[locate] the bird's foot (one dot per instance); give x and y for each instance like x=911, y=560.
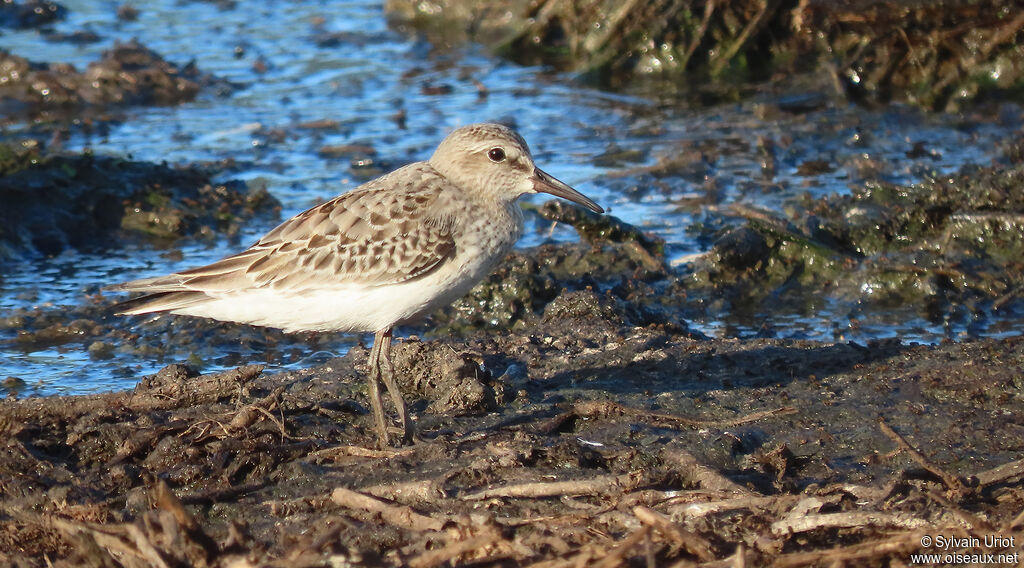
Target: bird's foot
x=395, y=436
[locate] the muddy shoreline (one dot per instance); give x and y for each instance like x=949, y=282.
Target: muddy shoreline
x=938, y=55
x=663, y=446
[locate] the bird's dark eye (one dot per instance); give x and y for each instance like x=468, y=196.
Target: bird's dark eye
x=496, y=155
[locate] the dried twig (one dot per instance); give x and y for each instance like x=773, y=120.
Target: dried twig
x=398, y=515
x=690, y=510
x=698, y=474
x=168, y=536
x=952, y=482
x=970, y=520
x=604, y=408
x=617, y=556
x=336, y=452
x=849, y=519
x=602, y=484
x=855, y=554
x=243, y=418
x=999, y=474
x=121, y=541
x=692, y=542
x=451, y=552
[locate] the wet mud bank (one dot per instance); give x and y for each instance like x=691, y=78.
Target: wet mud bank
x=939, y=55
x=54, y=201
x=584, y=437
x=947, y=250
x=127, y=74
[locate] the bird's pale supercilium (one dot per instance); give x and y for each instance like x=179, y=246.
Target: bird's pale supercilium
x=387, y=252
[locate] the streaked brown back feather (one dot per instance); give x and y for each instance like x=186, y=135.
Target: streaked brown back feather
x=346, y=239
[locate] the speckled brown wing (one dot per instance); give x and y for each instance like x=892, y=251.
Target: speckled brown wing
x=376, y=234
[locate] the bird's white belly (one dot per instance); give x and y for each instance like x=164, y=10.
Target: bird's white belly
x=349, y=308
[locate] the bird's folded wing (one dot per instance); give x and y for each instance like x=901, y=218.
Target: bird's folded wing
x=365, y=236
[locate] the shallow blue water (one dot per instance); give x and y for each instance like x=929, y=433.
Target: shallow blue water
x=373, y=73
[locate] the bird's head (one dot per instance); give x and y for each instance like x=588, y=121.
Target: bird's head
x=495, y=159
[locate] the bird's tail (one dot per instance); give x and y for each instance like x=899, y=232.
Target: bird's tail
x=161, y=302
x=163, y=294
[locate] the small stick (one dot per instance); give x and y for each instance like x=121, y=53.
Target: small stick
x=952, y=482
x=692, y=542
x=1000, y=473
x=753, y=503
x=453, y=550
x=699, y=474
x=606, y=408
x=857, y=553
x=617, y=555
x=360, y=452
x=399, y=516
x=973, y=522
x=558, y=488
x=850, y=519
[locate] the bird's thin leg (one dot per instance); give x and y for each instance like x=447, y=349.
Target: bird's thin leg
x=375, y=375
x=388, y=374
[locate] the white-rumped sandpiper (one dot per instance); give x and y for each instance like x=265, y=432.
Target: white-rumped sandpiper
x=387, y=252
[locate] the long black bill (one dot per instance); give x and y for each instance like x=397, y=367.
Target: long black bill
x=542, y=182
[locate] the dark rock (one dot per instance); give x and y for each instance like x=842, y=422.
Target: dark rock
x=30, y=14
x=53, y=202
x=741, y=248
x=128, y=74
